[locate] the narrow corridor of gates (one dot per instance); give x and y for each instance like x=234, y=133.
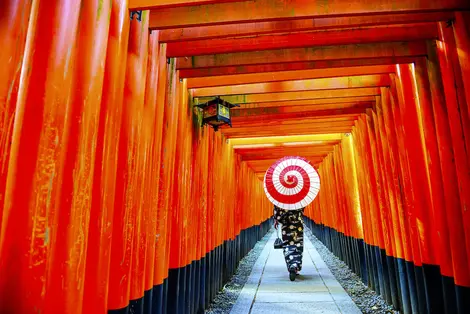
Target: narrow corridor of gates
x=113, y=197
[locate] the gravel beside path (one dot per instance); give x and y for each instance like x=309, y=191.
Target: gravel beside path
x=364, y=297
x=226, y=298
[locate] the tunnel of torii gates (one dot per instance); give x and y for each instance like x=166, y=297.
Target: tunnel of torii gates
x=114, y=198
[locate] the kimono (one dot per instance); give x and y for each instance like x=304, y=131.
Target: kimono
x=292, y=236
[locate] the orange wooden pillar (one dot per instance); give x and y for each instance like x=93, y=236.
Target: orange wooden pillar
x=457, y=106
x=35, y=166
x=170, y=128
x=403, y=199
x=454, y=226
x=413, y=125
x=383, y=213
x=142, y=123
x=102, y=207
x=69, y=232
x=454, y=159
x=14, y=21
x=413, y=268
x=369, y=276
x=441, y=233
x=393, y=203
x=127, y=196
x=161, y=231
x=377, y=227
x=155, y=110
x=177, y=273
x=200, y=201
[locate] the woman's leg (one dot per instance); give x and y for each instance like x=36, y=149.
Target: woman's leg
x=292, y=235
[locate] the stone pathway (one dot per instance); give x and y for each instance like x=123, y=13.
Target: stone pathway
x=269, y=290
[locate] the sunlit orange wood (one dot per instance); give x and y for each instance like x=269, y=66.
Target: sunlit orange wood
x=259, y=10
x=360, y=51
x=298, y=25
x=300, y=85
x=286, y=96
x=435, y=173
x=305, y=39
x=287, y=76
x=292, y=66
x=156, y=4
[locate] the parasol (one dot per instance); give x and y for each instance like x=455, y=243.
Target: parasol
x=291, y=183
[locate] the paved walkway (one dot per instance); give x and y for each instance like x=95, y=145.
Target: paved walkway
x=269, y=290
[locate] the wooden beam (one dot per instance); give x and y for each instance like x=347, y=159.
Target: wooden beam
x=243, y=149
x=294, y=123
x=261, y=166
x=411, y=32
x=287, y=139
x=268, y=10
x=281, y=148
x=135, y=5
x=248, y=112
x=253, y=78
x=269, y=160
x=299, y=25
x=343, y=102
x=288, y=113
x=285, y=131
x=361, y=51
x=287, y=96
x=292, y=66
x=314, y=155
x=379, y=80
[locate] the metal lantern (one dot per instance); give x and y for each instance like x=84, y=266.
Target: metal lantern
x=216, y=112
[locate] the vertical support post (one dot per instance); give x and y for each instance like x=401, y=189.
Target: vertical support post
x=450, y=151
x=36, y=160
x=14, y=21
x=161, y=232
x=104, y=183
x=142, y=116
x=127, y=197
x=69, y=233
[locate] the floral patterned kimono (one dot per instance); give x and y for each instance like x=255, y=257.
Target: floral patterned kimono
x=292, y=236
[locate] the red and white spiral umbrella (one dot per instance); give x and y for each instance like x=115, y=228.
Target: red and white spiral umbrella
x=291, y=183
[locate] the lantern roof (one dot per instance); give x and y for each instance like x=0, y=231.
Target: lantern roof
x=215, y=101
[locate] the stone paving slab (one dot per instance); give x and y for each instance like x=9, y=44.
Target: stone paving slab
x=315, y=307
x=269, y=290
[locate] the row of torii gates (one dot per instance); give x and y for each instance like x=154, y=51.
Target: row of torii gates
x=114, y=198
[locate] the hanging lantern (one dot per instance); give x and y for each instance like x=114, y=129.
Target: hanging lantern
x=216, y=112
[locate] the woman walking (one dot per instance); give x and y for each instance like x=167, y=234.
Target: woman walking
x=292, y=237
